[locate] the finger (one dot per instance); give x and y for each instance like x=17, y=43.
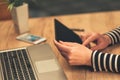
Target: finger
x=84, y=36
x=64, y=55
x=88, y=46
x=90, y=39
x=98, y=47
x=62, y=47
x=67, y=43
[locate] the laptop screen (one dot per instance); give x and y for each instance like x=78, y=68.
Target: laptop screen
x=65, y=34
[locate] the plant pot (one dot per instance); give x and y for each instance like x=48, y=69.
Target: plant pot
x=20, y=18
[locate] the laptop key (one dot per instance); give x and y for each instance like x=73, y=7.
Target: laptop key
x=13, y=66
x=28, y=65
x=23, y=65
x=17, y=63
x=5, y=67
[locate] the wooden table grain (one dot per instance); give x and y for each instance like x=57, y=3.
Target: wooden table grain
x=100, y=22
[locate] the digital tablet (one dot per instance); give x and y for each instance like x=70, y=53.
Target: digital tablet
x=63, y=33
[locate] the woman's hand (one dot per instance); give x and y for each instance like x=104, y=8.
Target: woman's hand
x=74, y=53
x=101, y=41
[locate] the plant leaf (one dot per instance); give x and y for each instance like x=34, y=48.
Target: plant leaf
x=11, y=6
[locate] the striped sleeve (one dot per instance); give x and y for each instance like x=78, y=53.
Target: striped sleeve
x=114, y=35
x=105, y=62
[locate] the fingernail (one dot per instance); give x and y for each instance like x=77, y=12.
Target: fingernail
x=60, y=41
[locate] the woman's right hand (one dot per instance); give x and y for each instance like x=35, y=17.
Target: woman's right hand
x=101, y=41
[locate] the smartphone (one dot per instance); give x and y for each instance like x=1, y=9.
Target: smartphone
x=34, y=39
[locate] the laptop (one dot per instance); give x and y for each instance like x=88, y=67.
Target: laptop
x=63, y=33
x=36, y=62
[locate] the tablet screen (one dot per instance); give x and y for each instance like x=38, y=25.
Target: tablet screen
x=65, y=34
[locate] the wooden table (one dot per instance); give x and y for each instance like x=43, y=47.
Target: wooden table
x=92, y=22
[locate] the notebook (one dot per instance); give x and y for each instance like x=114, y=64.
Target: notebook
x=36, y=62
x=63, y=33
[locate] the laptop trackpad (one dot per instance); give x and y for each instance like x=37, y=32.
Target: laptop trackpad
x=47, y=66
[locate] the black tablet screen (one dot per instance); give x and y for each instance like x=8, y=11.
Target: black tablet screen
x=65, y=34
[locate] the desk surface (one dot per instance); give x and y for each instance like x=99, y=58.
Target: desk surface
x=92, y=22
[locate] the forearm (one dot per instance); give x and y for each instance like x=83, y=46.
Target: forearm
x=105, y=62
x=114, y=35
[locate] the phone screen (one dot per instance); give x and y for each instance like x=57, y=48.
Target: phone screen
x=31, y=38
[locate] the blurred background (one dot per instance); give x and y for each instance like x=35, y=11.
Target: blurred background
x=43, y=8
x=40, y=8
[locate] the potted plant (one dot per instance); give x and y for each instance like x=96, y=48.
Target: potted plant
x=20, y=16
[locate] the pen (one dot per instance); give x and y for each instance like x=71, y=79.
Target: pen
x=76, y=29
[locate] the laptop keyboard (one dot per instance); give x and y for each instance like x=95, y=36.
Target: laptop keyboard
x=15, y=65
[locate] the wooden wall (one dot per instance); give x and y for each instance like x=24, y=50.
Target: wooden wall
x=4, y=12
